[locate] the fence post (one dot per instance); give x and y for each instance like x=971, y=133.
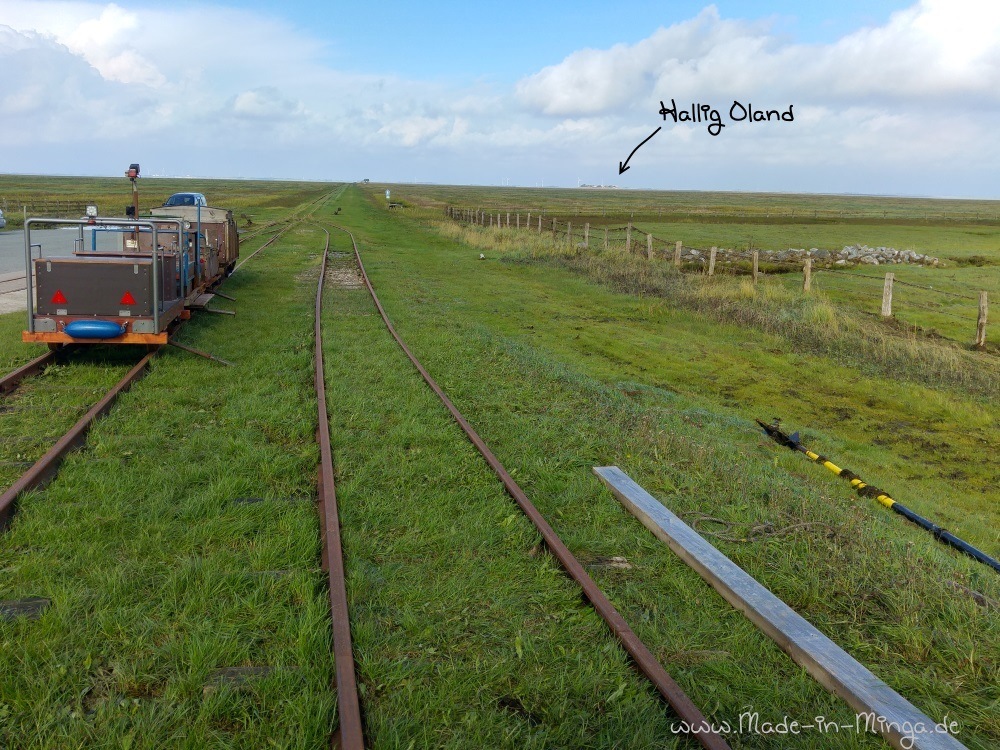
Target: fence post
x=508, y=219
x=491, y=220
x=981, y=322
x=518, y=221
x=677, y=253
x=628, y=238
x=887, y=295
x=807, y=275
x=756, y=265
x=586, y=235
x=711, y=260
x=539, y=225
x=499, y=220
x=527, y=223
x=649, y=247
x=553, y=231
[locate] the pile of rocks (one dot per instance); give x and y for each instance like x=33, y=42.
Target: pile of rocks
x=851, y=255
x=880, y=255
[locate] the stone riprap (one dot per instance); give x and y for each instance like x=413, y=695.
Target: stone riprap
x=851, y=255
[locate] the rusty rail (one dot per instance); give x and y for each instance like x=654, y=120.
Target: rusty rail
x=640, y=653
x=350, y=734
x=12, y=379
x=45, y=468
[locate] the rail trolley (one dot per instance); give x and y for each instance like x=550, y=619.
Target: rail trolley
x=132, y=278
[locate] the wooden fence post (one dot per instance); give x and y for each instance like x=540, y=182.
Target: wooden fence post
x=628, y=238
x=508, y=219
x=756, y=265
x=678, y=246
x=539, y=225
x=518, y=221
x=499, y=220
x=887, y=295
x=807, y=275
x=981, y=322
x=527, y=224
x=711, y=260
x=649, y=247
x=586, y=235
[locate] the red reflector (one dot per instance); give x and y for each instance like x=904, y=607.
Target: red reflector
x=58, y=298
x=127, y=299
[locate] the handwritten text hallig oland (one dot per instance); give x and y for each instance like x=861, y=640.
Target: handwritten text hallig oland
x=739, y=112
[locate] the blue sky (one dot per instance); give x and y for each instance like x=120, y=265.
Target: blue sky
x=890, y=98
x=504, y=41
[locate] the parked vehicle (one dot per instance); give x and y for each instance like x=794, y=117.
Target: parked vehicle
x=3, y=221
x=185, y=199
x=167, y=264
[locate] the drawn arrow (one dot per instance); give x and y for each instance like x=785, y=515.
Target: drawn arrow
x=623, y=166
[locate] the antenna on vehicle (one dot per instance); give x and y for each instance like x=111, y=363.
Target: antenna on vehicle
x=132, y=211
x=133, y=175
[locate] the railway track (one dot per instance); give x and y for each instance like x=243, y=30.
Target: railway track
x=42, y=470
x=350, y=730
x=45, y=467
x=642, y=657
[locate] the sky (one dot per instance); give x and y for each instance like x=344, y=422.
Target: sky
x=898, y=98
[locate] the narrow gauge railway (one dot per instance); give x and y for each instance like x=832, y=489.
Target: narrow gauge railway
x=46, y=466
x=351, y=730
x=38, y=475
x=164, y=266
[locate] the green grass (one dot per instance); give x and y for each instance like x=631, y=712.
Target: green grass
x=944, y=241
x=560, y=374
x=44, y=407
x=738, y=207
x=466, y=632
x=964, y=235
x=262, y=201
x=157, y=574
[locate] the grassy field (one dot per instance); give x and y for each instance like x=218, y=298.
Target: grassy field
x=765, y=208
x=182, y=542
x=161, y=572
x=670, y=395
x=260, y=201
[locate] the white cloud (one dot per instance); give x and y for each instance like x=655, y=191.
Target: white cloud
x=265, y=103
x=941, y=49
x=921, y=89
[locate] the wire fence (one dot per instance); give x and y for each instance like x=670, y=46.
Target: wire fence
x=789, y=214
x=43, y=207
x=866, y=288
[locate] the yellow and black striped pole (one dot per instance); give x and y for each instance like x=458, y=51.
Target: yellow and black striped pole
x=866, y=490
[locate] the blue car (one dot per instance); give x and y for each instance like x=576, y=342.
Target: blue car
x=185, y=199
